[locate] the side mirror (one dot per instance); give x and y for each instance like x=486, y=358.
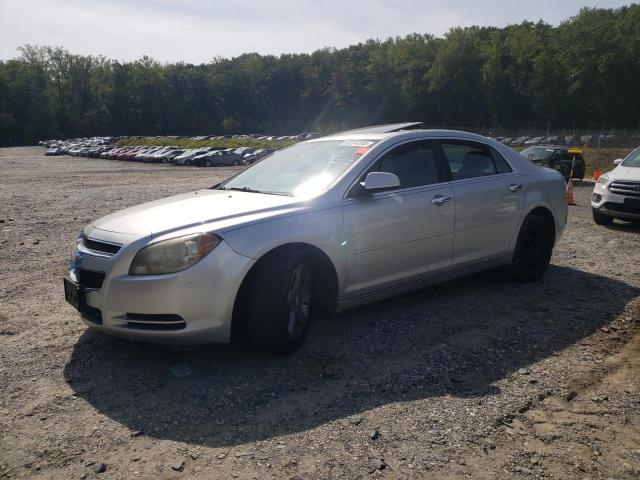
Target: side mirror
x=379, y=180
x=618, y=161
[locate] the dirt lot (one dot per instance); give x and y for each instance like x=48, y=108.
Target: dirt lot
x=478, y=378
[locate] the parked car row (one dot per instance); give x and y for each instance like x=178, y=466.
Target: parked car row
x=593, y=140
x=201, y=157
x=256, y=136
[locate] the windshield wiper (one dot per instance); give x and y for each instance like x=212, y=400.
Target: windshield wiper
x=243, y=189
x=252, y=190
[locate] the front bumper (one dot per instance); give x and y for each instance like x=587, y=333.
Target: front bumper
x=194, y=306
x=613, y=205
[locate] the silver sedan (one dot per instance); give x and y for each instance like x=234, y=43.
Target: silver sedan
x=328, y=223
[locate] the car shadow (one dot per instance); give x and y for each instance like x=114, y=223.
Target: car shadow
x=457, y=339
x=622, y=226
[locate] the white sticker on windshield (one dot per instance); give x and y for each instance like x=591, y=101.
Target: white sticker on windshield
x=356, y=143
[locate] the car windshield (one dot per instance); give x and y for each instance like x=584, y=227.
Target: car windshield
x=538, y=153
x=633, y=160
x=302, y=170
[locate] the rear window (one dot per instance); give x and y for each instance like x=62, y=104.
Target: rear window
x=569, y=155
x=538, y=153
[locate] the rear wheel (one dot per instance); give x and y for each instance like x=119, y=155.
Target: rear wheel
x=280, y=305
x=236, y=163
x=601, y=219
x=533, y=249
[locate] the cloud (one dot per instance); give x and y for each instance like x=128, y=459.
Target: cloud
x=198, y=30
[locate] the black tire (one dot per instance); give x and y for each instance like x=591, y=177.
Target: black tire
x=601, y=219
x=208, y=163
x=236, y=163
x=280, y=303
x=188, y=162
x=533, y=249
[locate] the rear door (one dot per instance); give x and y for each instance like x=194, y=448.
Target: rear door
x=401, y=234
x=488, y=201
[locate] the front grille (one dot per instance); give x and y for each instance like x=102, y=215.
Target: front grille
x=101, y=247
x=621, y=207
x=89, y=278
x=625, y=188
x=155, y=321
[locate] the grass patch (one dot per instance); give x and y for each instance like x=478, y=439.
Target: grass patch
x=602, y=158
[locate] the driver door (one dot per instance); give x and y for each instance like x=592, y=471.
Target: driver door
x=402, y=234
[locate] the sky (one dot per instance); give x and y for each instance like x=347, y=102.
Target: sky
x=196, y=31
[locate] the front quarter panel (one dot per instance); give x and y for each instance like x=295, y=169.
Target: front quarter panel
x=320, y=228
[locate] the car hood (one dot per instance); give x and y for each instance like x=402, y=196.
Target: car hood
x=217, y=209
x=625, y=173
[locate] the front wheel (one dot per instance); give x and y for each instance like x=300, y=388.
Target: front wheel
x=533, y=249
x=280, y=305
x=208, y=163
x=236, y=163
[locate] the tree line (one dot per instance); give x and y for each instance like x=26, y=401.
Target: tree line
x=583, y=73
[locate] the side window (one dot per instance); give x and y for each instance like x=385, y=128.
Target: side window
x=415, y=165
x=469, y=160
x=501, y=163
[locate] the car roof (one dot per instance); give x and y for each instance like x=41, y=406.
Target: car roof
x=409, y=134
x=387, y=128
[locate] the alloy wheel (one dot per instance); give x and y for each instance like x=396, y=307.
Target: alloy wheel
x=299, y=300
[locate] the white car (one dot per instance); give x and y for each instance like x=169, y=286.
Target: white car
x=617, y=193
x=186, y=158
x=333, y=222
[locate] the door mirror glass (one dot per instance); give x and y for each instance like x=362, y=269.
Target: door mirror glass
x=617, y=161
x=379, y=180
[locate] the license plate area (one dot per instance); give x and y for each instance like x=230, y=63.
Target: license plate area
x=75, y=295
x=632, y=203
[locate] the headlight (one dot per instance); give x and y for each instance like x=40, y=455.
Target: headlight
x=173, y=255
x=79, y=242
x=604, y=179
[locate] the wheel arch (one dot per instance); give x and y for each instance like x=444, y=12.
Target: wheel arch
x=545, y=212
x=535, y=209
x=325, y=281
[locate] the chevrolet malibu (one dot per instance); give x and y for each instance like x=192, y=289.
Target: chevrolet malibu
x=331, y=223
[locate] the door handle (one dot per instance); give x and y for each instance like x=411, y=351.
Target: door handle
x=440, y=200
x=514, y=188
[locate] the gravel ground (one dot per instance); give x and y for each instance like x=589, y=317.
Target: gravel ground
x=477, y=378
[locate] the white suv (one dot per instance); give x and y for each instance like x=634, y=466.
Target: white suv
x=617, y=193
